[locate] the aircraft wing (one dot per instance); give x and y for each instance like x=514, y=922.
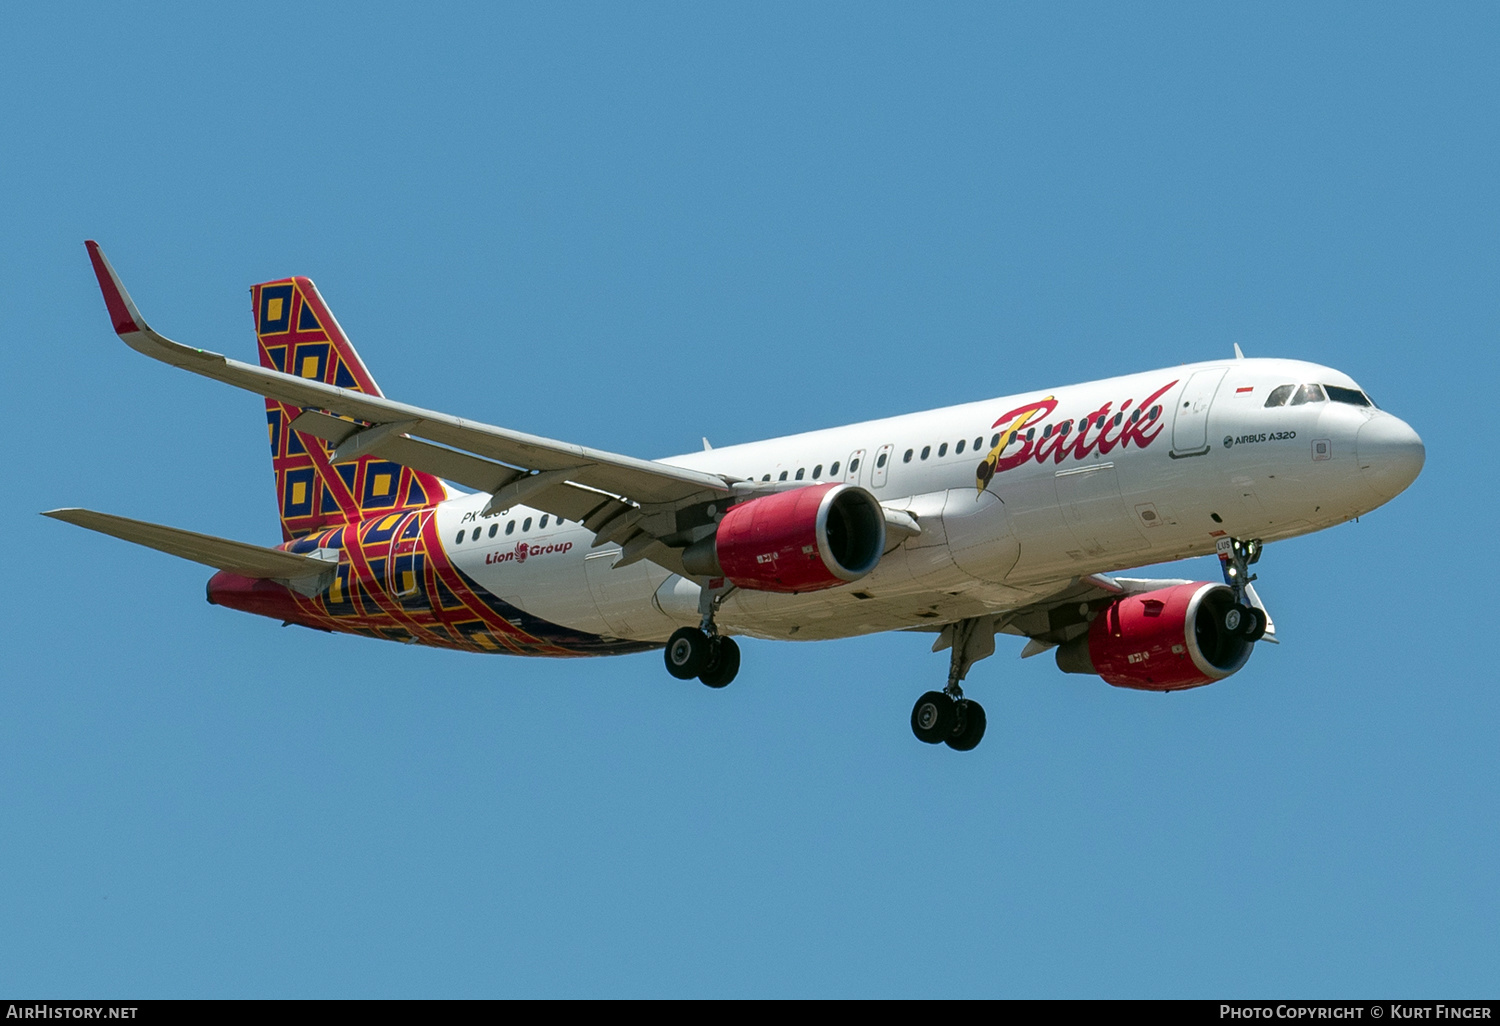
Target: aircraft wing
x=220, y=553
x=623, y=499
x=1066, y=613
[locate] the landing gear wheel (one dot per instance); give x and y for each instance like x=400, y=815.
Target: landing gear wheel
x=1234, y=619
x=933, y=718
x=969, y=730
x=723, y=663
x=687, y=653
x=1254, y=627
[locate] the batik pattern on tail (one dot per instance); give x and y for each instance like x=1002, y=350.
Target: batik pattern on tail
x=299, y=335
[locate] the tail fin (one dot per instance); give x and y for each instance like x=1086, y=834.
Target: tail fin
x=298, y=335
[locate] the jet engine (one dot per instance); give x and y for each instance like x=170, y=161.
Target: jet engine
x=1162, y=640
x=806, y=539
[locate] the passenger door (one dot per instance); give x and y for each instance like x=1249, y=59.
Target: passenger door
x=882, y=466
x=1190, y=424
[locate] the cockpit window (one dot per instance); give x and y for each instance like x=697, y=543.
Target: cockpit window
x=1352, y=396
x=1308, y=394
x=1279, y=395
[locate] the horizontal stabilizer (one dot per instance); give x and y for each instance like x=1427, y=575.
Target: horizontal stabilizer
x=220, y=553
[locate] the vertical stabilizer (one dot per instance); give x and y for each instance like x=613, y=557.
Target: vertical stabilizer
x=298, y=335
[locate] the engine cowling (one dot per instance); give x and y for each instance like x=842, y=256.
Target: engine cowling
x=1161, y=640
x=806, y=539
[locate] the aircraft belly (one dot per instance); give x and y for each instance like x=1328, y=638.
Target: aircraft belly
x=791, y=620
x=893, y=597
x=623, y=598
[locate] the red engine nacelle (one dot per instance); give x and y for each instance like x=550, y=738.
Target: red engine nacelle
x=806, y=539
x=1160, y=641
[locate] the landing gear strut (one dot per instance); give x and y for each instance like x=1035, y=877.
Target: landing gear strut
x=947, y=717
x=1235, y=559
x=702, y=651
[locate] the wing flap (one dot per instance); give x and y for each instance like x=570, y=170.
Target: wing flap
x=449, y=464
x=220, y=553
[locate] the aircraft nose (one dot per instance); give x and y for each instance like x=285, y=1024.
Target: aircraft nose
x=1390, y=455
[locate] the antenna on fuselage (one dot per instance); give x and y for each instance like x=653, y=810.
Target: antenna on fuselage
x=1237, y=354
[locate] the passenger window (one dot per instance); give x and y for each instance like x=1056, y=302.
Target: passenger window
x=526, y=525
x=942, y=450
x=1307, y=394
x=1135, y=415
x=880, y=460
x=1119, y=419
x=1352, y=396
x=800, y=472
x=767, y=477
x=543, y=525
x=907, y=457
x=817, y=471
x=494, y=529
x=833, y=471
x=1030, y=434
x=854, y=466
x=460, y=539
x=782, y=477
x=1065, y=427
x=926, y=451
x=1279, y=395
x=959, y=448
x=510, y=528
x=978, y=442
x=1047, y=431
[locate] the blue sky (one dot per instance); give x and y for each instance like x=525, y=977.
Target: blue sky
x=630, y=226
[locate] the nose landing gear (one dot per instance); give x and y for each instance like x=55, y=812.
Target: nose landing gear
x=1235, y=559
x=947, y=717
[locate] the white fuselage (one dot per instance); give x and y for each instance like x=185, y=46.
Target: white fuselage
x=1217, y=462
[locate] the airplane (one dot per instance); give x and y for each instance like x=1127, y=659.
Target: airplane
x=416, y=526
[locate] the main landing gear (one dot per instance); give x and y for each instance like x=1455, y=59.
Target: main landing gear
x=946, y=716
x=702, y=651
x=1243, y=618
x=693, y=652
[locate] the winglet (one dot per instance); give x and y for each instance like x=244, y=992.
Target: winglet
x=133, y=329
x=127, y=320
